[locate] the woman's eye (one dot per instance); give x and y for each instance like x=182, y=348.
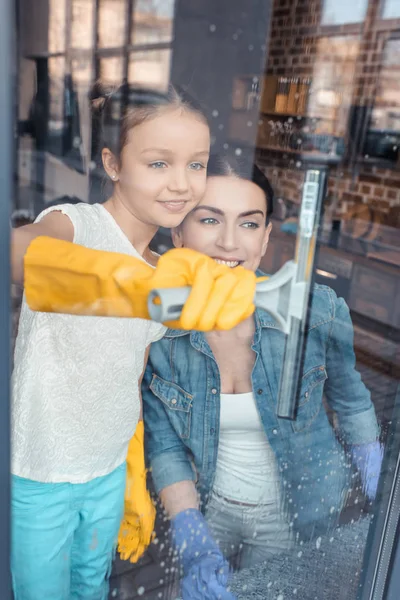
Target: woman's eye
x=196, y=166
x=250, y=225
x=209, y=221
x=159, y=164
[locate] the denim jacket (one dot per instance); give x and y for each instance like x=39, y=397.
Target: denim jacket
x=181, y=407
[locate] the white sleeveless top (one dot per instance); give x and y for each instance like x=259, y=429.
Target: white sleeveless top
x=246, y=469
x=76, y=402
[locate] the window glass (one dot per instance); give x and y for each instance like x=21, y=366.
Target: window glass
x=150, y=68
x=341, y=12
x=391, y=9
x=152, y=21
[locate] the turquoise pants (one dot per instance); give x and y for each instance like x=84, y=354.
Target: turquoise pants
x=64, y=537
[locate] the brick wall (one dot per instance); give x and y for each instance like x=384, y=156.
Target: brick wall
x=295, y=33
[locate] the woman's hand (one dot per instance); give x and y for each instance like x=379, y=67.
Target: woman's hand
x=205, y=570
x=367, y=458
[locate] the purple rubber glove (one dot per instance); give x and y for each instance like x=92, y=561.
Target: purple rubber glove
x=205, y=570
x=367, y=458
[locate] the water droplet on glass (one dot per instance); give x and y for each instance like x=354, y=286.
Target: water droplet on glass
x=249, y=123
x=213, y=28
x=298, y=164
x=114, y=593
x=300, y=554
x=141, y=591
x=269, y=584
x=251, y=47
x=280, y=597
x=226, y=146
x=215, y=113
x=318, y=543
x=238, y=151
x=235, y=36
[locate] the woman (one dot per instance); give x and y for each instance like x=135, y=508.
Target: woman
x=214, y=444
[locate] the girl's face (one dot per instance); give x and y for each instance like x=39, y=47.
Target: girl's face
x=228, y=224
x=161, y=174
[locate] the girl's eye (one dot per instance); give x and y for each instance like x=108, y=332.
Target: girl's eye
x=250, y=225
x=196, y=166
x=209, y=221
x=159, y=164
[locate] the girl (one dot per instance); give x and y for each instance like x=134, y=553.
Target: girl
x=209, y=405
x=76, y=402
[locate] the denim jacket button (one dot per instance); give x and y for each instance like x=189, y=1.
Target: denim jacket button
x=306, y=394
x=214, y=391
x=212, y=430
x=173, y=401
x=274, y=431
x=259, y=392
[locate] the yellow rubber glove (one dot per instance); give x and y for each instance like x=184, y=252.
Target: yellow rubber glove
x=136, y=531
x=67, y=278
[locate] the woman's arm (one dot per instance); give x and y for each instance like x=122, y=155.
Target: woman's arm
x=345, y=391
x=178, y=497
x=55, y=224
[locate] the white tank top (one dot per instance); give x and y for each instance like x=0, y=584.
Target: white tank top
x=246, y=467
x=76, y=400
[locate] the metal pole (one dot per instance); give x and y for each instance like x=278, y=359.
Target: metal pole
x=7, y=120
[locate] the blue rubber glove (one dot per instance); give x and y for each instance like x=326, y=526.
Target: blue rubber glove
x=205, y=570
x=367, y=458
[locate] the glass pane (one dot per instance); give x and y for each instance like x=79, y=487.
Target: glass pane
x=391, y=9
x=56, y=94
x=111, y=70
x=152, y=21
x=150, y=68
x=383, y=135
x=57, y=25
x=342, y=12
x=82, y=23
x=112, y=22
x=296, y=94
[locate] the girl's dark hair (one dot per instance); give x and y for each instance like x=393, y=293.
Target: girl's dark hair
x=116, y=110
x=220, y=166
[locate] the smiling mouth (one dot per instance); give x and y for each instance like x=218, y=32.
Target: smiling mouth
x=230, y=263
x=174, y=205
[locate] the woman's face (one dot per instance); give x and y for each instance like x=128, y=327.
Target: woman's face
x=228, y=224
x=161, y=174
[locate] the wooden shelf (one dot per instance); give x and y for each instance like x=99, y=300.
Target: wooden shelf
x=307, y=154
x=298, y=116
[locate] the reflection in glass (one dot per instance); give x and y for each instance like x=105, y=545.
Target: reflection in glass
x=383, y=136
x=386, y=113
x=56, y=94
x=112, y=16
x=332, y=83
x=150, y=68
x=82, y=23
x=111, y=70
x=152, y=21
x=391, y=9
x=57, y=22
x=336, y=12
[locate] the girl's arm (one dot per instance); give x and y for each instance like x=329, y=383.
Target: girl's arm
x=55, y=225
